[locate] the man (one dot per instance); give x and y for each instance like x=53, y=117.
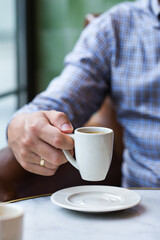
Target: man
x=119, y=53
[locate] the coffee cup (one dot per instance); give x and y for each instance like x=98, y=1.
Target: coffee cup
x=11, y=222
x=93, y=152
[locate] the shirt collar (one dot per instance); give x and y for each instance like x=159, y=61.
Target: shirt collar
x=155, y=7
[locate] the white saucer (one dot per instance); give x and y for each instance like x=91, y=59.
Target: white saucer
x=96, y=198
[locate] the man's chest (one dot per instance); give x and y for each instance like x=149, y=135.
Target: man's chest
x=136, y=70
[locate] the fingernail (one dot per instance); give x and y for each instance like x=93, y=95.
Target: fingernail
x=66, y=127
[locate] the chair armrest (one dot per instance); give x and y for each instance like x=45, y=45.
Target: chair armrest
x=7, y=191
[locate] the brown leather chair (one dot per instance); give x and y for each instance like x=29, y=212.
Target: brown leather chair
x=15, y=182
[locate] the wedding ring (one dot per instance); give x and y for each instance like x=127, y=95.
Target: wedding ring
x=42, y=162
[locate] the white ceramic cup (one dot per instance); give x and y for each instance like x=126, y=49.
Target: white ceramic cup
x=93, y=152
x=11, y=222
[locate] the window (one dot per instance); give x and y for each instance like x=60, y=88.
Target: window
x=8, y=82
x=13, y=88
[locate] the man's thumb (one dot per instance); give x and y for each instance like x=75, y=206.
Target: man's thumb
x=66, y=127
x=60, y=120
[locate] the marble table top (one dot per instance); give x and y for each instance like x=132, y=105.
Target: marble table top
x=44, y=220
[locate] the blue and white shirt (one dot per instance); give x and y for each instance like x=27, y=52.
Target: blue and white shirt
x=117, y=54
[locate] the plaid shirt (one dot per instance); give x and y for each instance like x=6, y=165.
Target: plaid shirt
x=119, y=54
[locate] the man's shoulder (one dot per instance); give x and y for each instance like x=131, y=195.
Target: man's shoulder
x=127, y=9
x=124, y=12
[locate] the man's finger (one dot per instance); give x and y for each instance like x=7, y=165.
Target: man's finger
x=54, y=137
x=59, y=120
x=37, y=169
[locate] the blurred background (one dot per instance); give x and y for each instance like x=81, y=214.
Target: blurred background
x=35, y=36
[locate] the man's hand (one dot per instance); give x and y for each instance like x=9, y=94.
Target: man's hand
x=40, y=134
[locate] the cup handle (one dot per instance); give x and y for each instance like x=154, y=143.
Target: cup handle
x=69, y=156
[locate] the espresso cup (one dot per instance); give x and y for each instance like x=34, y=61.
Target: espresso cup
x=11, y=222
x=93, y=152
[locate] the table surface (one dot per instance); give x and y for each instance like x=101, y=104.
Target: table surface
x=44, y=220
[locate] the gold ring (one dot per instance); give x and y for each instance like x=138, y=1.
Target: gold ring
x=42, y=162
